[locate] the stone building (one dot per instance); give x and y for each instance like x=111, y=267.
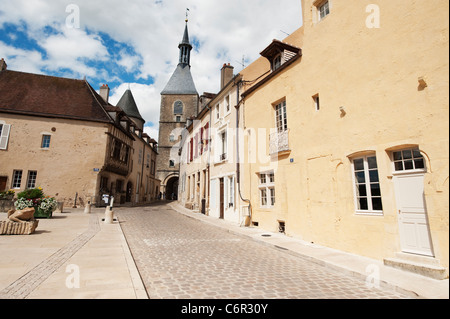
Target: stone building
x=347, y=133
x=179, y=103
x=63, y=136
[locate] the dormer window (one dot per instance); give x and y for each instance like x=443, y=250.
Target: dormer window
x=279, y=53
x=277, y=62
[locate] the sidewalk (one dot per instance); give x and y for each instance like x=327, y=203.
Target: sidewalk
x=45, y=265
x=359, y=267
x=71, y=248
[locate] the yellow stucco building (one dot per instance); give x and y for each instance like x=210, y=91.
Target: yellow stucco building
x=347, y=134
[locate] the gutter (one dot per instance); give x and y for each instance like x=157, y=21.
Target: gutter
x=238, y=168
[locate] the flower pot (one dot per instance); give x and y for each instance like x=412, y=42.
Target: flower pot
x=40, y=213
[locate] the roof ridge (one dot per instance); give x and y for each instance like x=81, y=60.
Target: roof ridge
x=45, y=75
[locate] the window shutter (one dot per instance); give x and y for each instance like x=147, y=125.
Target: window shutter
x=192, y=150
x=6, y=128
x=207, y=134
x=201, y=140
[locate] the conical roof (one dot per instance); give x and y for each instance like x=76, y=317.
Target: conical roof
x=181, y=82
x=128, y=105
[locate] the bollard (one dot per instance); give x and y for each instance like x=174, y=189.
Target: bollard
x=87, y=208
x=109, y=216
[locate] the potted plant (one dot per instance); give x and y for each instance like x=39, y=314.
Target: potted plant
x=44, y=206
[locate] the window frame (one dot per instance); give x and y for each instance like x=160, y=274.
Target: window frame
x=16, y=177
x=231, y=191
x=367, y=186
x=217, y=113
x=319, y=7
x=45, y=145
x=275, y=64
x=266, y=186
x=31, y=179
x=281, y=122
x=413, y=159
x=227, y=103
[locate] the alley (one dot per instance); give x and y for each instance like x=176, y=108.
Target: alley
x=183, y=258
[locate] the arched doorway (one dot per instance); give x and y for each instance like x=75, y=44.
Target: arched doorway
x=172, y=188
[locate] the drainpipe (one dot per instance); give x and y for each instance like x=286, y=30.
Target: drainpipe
x=209, y=155
x=238, y=169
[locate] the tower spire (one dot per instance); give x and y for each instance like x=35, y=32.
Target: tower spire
x=185, y=46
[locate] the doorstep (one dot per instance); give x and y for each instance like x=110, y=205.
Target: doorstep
x=422, y=265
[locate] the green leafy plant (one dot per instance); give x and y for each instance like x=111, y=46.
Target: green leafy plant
x=32, y=193
x=34, y=197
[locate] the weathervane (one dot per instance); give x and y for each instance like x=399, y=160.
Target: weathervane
x=187, y=15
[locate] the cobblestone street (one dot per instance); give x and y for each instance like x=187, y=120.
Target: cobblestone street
x=183, y=258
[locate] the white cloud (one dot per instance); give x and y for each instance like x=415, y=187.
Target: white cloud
x=144, y=96
x=72, y=48
x=225, y=30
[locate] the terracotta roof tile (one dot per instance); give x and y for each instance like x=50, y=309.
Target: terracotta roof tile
x=42, y=95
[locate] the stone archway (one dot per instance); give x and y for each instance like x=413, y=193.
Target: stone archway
x=172, y=188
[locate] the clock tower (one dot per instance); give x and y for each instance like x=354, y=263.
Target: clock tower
x=179, y=102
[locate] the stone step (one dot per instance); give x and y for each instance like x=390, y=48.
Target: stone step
x=422, y=265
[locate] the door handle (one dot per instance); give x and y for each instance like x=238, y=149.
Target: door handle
x=399, y=211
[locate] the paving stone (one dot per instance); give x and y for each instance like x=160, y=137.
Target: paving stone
x=181, y=257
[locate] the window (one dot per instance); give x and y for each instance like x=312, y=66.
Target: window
x=409, y=159
x=172, y=138
x=281, y=117
x=223, y=145
x=17, y=179
x=231, y=191
x=31, y=181
x=46, y=141
x=267, y=189
x=367, y=185
x=4, y=136
x=171, y=163
x=217, y=112
x=277, y=62
x=178, y=119
x=323, y=9
x=227, y=104
x=178, y=108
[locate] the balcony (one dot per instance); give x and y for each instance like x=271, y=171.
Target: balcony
x=279, y=142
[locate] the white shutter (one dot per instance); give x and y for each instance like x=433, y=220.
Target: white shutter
x=213, y=195
x=225, y=192
x=6, y=128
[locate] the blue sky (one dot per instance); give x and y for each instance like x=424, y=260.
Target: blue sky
x=135, y=43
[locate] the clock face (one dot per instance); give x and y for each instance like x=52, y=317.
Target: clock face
x=178, y=107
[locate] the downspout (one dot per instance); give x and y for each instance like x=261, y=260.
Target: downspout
x=209, y=157
x=238, y=169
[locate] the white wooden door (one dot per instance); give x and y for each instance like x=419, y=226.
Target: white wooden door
x=413, y=222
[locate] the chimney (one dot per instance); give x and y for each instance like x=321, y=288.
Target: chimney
x=3, y=65
x=226, y=75
x=104, y=92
